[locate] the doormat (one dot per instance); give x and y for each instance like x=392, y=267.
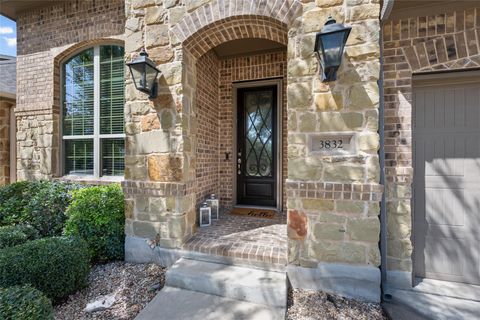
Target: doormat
x=254, y=212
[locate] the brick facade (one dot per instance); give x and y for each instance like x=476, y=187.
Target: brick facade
x=41, y=49
x=438, y=42
x=246, y=68
x=209, y=127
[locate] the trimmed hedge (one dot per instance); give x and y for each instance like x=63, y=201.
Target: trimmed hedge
x=96, y=215
x=14, y=235
x=41, y=204
x=24, y=302
x=56, y=266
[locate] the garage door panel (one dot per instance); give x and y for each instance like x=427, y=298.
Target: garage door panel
x=445, y=206
x=447, y=183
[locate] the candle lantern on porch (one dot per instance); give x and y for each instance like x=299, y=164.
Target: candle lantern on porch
x=205, y=215
x=214, y=204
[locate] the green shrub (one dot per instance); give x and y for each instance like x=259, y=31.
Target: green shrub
x=56, y=266
x=14, y=235
x=41, y=204
x=25, y=303
x=96, y=214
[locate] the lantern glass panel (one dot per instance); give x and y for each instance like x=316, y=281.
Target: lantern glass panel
x=205, y=216
x=332, y=47
x=214, y=205
x=151, y=75
x=138, y=74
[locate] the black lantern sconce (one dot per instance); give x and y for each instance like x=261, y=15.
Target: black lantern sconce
x=329, y=46
x=144, y=73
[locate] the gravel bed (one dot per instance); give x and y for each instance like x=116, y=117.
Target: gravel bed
x=314, y=305
x=134, y=286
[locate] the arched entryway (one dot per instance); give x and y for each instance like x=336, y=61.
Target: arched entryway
x=227, y=63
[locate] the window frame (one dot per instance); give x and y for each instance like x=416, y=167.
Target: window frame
x=96, y=136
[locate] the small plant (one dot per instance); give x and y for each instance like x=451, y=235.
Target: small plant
x=56, y=266
x=41, y=204
x=14, y=235
x=96, y=215
x=24, y=302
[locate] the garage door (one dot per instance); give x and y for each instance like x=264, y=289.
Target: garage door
x=447, y=181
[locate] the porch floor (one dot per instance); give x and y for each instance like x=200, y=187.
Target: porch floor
x=242, y=237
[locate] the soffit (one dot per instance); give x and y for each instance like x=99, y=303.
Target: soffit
x=246, y=46
x=12, y=8
x=403, y=9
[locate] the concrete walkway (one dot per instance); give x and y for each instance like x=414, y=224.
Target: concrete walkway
x=179, y=304
x=205, y=290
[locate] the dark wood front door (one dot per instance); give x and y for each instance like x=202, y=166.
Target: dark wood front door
x=256, y=146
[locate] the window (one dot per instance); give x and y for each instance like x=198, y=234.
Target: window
x=92, y=101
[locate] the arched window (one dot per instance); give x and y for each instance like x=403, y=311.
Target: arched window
x=93, y=100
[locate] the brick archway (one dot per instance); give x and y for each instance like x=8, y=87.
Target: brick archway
x=233, y=28
x=219, y=12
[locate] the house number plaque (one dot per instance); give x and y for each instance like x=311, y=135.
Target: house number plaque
x=332, y=144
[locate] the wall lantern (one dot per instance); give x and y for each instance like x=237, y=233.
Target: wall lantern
x=329, y=46
x=144, y=73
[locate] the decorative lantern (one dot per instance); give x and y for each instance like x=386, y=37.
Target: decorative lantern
x=205, y=215
x=144, y=73
x=214, y=204
x=329, y=46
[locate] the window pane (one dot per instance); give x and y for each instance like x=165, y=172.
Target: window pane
x=112, y=87
x=79, y=156
x=113, y=157
x=78, y=94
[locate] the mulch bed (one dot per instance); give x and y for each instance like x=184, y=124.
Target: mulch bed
x=134, y=284
x=314, y=305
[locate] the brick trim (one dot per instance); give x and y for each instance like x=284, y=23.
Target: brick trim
x=233, y=28
x=158, y=189
x=334, y=191
x=70, y=51
x=283, y=11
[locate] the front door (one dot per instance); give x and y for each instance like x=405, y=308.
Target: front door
x=256, y=146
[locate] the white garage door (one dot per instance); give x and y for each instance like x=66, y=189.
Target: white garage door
x=447, y=181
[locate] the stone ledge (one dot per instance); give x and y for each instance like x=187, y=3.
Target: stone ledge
x=358, y=282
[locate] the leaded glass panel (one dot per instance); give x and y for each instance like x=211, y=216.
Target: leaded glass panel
x=259, y=133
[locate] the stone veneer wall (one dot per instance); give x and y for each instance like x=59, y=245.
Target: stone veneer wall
x=444, y=41
x=46, y=36
x=333, y=202
x=5, y=141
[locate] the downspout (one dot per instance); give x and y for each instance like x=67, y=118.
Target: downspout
x=384, y=14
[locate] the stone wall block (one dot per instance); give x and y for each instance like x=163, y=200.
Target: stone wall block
x=156, y=35
x=297, y=225
x=317, y=204
x=304, y=169
x=299, y=95
x=165, y=168
x=336, y=121
x=314, y=20
x=328, y=231
x=364, y=229
x=344, y=172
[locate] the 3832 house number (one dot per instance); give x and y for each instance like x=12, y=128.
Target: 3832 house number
x=330, y=144
x=339, y=144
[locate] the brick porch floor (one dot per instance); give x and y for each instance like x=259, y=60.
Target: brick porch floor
x=243, y=237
